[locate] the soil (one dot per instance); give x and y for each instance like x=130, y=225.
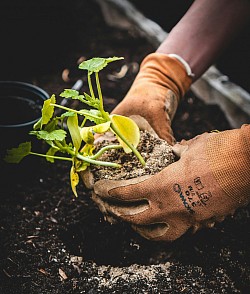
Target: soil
x=156, y=153
x=52, y=242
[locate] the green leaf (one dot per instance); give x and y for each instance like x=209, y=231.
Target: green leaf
x=72, y=123
x=128, y=129
x=48, y=110
x=15, y=155
x=97, y=63
x=86, y=98
x=38, y=125
x=51, y=152
x=74, y=180
x=58, y=135
x=91, y=101
x=93, y=115
x=67, y=114
x=47, y=113
x=73, y=94
x=51, y=126
x=69, y=93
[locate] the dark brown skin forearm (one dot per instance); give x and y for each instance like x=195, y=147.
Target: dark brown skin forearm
x=205, y=30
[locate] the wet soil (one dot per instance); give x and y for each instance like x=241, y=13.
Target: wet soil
x=52, y=242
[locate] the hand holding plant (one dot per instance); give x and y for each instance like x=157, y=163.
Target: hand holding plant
x=76, y=143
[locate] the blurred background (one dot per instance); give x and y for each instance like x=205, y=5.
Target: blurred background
x=39, y=36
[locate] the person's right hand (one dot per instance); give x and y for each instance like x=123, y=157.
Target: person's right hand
x=209, y=181
x=156, y=92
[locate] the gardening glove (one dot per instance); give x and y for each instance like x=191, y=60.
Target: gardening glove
x=209, y=181
x=155, y=93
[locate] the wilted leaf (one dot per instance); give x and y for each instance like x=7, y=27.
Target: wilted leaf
x=74, y=180
x=87, y=135
x=88, y=149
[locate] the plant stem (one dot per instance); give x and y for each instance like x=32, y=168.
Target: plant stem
x=73, y=110
x=51, y=156
x=90, y=86
x=104, y=114
x=132, y=147
x=83, y=122
x=104, y=149
x=99, y=92
x=97, y=162
x=79, y=156
x=91, y=160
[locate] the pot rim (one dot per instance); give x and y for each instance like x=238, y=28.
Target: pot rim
x=39, y=92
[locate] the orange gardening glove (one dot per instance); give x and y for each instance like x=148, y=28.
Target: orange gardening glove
x=210, y=180
x=156, y=92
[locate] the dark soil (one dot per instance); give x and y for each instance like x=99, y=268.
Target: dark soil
x=52, y=242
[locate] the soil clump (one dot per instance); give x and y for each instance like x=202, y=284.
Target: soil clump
x=156, y=153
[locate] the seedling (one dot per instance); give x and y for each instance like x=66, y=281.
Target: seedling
x=76, y=142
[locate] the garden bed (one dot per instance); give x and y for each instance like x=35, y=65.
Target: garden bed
x=52, y=242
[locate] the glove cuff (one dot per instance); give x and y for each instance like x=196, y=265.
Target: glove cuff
x=168, y=71
x=184, y=63
x=229, y=158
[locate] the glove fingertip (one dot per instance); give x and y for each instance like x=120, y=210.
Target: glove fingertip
x=179, y=149
x=143, y=124
x=88, y=179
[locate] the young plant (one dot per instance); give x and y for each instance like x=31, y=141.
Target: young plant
x=76, y=143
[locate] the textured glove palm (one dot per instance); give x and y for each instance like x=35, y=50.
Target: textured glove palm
x=209, y=181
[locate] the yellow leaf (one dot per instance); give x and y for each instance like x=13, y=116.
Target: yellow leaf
x=87, y=149
x=72, y=124
x=74, y=180
x=102, y=128
x=87, y=135
x=128, y=129
x=80, y=165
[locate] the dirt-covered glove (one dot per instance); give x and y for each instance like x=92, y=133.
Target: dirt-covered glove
x=156, y=92
x=210, y=180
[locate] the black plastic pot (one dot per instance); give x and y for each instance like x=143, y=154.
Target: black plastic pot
x=21, y=105
x=20, y=108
